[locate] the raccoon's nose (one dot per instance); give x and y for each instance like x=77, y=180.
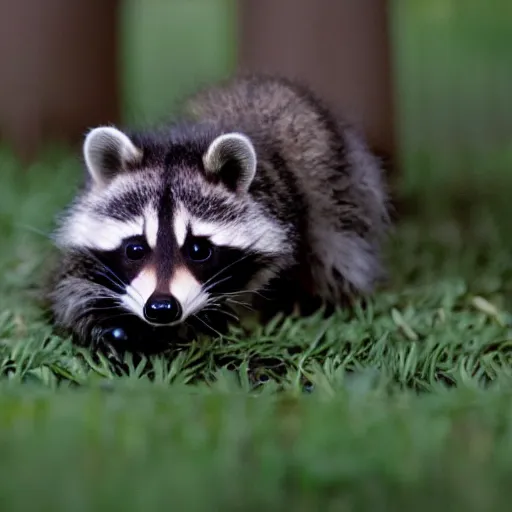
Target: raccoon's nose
x=162, y=309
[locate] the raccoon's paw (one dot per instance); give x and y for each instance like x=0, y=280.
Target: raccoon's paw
x=115, y=340
x=108, y=340
x=136, y=337
x=114, y=335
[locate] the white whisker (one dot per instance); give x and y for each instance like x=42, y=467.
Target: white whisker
x=223, y=311
x=243, y=292
x=223, y=269
x=208, y=326
x=216, y=283
x=113, y=277
x=239, y=303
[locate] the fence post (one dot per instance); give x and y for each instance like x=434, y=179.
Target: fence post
x=59, y=70
x=341, y=48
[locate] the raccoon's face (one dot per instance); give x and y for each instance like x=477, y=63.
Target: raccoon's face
x=162, y=236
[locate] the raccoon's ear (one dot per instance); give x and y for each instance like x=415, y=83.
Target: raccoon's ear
x=107, y=151
x=232, y=157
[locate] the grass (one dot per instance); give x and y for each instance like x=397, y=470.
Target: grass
x=404, y=404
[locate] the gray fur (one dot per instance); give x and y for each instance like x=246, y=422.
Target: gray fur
x=304, y=195
x=336, y=179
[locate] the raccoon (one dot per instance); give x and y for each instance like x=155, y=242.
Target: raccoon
x=257, y=195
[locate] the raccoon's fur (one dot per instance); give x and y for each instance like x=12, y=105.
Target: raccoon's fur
x=258, y=189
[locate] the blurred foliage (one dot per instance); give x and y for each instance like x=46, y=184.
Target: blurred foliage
x=172, y=47
x=453, y=65
x=454, y=69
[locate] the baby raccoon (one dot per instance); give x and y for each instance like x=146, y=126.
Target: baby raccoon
x=258, y=197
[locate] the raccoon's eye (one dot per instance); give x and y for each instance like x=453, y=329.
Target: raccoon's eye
x=135, y=251
x=199, y=249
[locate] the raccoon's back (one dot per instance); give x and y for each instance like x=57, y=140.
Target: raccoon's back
x=314, y=170
x=279, y=115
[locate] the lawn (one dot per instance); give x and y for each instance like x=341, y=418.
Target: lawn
x=403, y=404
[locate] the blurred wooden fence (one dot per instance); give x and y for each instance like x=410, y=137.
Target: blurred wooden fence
x=60, y=72
x=341, y=48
